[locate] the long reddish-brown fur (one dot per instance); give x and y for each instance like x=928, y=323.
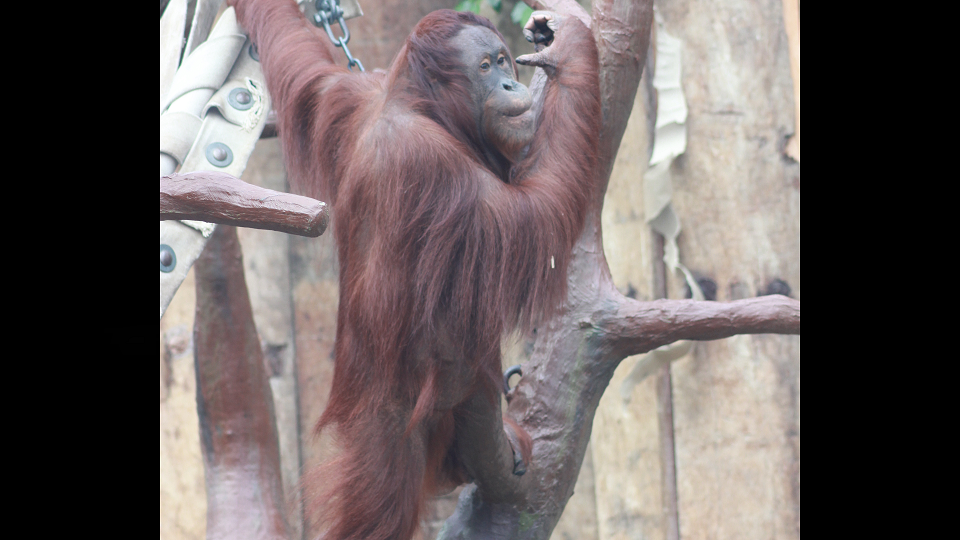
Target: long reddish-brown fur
x=440, y=252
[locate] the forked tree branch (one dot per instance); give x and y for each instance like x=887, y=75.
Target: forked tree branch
x=577, y=352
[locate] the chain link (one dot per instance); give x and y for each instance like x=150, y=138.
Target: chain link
x=330, y=10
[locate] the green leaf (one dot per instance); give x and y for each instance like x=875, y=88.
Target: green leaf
x=469, y=5
x=497, y=5
x=521, y=13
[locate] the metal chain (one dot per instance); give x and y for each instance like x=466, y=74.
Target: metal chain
x=330, y=10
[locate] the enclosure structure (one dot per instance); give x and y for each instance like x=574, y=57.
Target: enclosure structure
x=735, y=403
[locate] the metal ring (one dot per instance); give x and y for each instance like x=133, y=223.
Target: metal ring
x=326, y=26
x=515, y=370
x=351, y=61
x=344, y=29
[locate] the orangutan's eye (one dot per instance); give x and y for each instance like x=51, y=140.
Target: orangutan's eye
x=500, y=60
x=485, y=65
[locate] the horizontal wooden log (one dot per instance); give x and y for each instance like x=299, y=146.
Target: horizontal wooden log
x=217, y=197
x=639, y=327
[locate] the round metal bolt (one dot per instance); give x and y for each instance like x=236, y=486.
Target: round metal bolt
x=219, y=154
x=168, y=259
x=240, y=99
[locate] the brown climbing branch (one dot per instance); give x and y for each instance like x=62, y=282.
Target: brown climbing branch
x=639, y=327
x=556, y=399
x=217, y=197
